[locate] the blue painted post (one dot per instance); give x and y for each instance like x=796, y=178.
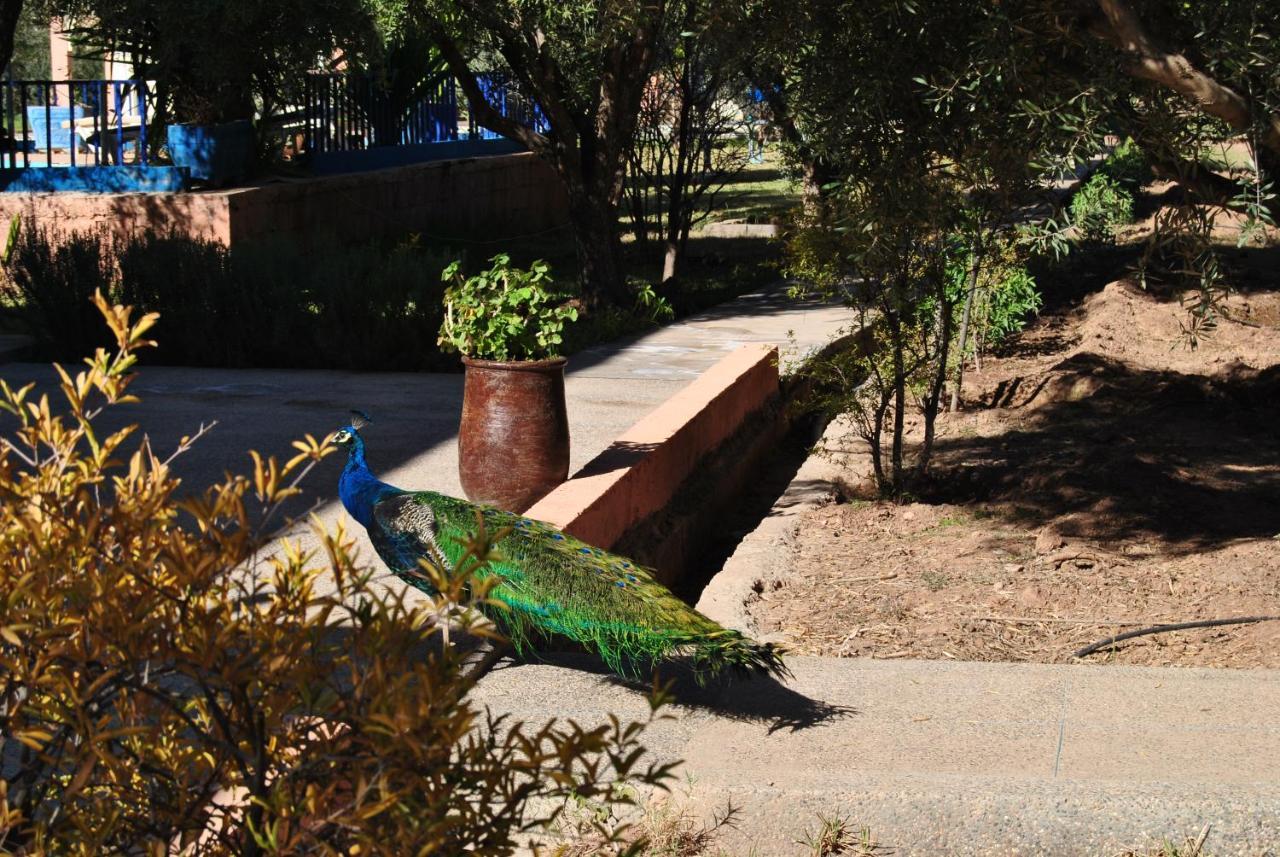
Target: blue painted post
x=142, y=127
x=26, y=153
x=101, y=109
x=49, y=93
x=8, y=107
x=306, y=112
x=71, y=114
x=119, y=122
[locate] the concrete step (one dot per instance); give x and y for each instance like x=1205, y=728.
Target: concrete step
x=957, y=758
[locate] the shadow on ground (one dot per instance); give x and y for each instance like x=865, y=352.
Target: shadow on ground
x=1113, y=453
x=759, y=699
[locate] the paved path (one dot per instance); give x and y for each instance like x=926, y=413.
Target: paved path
x=943, y=758
x=413, y=440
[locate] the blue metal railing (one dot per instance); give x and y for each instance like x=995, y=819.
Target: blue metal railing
x=504, y=98
x=69, y=123
x=350, y=111
x=346, y=112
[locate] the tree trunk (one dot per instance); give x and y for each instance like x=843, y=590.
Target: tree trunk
x=595, y=238
x=10, y=12
x=934, y=399
x=814, y=177
x=670, y=260
x=964, y=334
x=899, y=402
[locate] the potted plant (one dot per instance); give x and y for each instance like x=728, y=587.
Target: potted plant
x=513, y=442
x=214, y=138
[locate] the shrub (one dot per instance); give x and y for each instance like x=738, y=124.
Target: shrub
x=165, y=691
x=271, y=303
x=1128, y=165
x=54, y=282
x=505, y=313
x=1006, y=296
x=1099, y=206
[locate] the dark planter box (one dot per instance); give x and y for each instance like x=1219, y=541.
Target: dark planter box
x=214, y=154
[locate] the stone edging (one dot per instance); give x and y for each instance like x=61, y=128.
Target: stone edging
x=641, y=471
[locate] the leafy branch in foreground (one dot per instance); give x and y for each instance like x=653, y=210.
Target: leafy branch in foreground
x=163, y=691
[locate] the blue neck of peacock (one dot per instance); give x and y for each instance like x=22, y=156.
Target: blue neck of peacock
x=358, y=488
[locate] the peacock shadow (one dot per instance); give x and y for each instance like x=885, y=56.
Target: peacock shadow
x=755, y=698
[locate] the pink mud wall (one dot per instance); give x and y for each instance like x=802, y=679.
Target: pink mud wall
x=500, y=197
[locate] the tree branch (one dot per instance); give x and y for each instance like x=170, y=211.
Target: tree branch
x=1120, y=27
x=483, y=111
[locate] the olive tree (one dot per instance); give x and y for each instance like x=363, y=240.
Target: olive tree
x=938, y=123
x=585, y=64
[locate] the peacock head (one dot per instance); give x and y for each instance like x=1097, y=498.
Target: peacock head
x=349, y=435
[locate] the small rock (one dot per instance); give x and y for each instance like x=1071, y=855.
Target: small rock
x=1013, y=567
x=908, y=515
x=1032, y=597
x=1048, y=541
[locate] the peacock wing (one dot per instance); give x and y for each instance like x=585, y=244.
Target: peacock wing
x=555, y=583
x=405, y=531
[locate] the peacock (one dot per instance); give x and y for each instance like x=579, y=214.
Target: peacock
x=551, y=583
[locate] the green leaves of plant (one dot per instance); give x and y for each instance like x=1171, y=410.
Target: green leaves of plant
x=505, y=313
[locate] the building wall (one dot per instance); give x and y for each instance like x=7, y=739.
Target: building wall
x=493, y=198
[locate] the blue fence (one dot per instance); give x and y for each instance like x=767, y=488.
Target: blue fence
x=350, y=112
x=73, y=123
x=355, y=112
x=504, y=97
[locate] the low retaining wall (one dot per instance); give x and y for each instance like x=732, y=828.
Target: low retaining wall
x=641, y=472
x=386, y=157
x=499, y=197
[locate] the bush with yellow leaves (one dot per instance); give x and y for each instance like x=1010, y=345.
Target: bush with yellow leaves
x=162, y=691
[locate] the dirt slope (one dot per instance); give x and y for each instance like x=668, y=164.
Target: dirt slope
x=1103, y=475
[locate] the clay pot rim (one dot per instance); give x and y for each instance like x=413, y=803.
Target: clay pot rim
x=549, y=364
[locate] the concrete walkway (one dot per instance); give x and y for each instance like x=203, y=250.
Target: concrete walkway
x=412, y=442
x=957, y=758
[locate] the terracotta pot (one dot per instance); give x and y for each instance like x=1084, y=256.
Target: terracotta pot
x=513, y=444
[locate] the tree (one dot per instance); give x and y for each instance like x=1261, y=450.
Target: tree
x=787, y=62
x=1218, y=60
x=688, y=139
x=585, y=64
x=218, y=61
x=10, y=14
x=939, y=121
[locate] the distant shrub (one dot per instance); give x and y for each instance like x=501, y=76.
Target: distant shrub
x=54, y=283
x=1128, y=165
x=1100, y=206
x=167, y=691
x=271, y=303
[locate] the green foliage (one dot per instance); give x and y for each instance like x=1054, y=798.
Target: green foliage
x=1100, y=206
x=273, y=303
x=607, y=323
x=504, y=313
x=167, y=689
x=220, y=61
x=1006, y=294
x=652, y=305
x=1128, y=165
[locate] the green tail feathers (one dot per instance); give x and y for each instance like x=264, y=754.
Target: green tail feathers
x=632, y=644
x=731, y=651
x=551, y=584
